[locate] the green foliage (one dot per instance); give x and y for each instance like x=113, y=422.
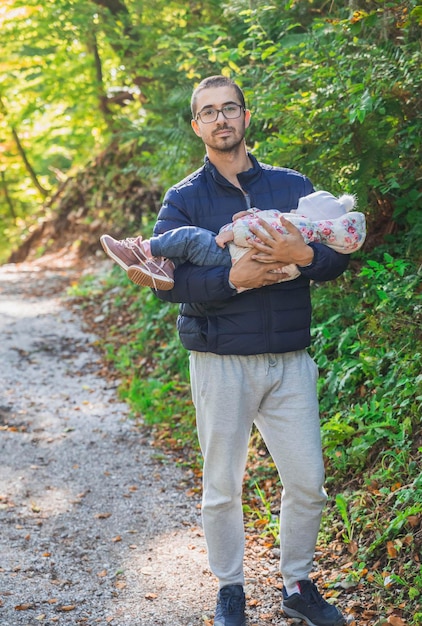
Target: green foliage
x=341, y=503
x=369, y=356
x=369, y=353
x=334, y=93
x=348, y=114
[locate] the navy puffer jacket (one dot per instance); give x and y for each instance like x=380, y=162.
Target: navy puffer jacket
x=213, y=318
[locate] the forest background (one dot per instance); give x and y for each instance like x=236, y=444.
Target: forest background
x=95, y=125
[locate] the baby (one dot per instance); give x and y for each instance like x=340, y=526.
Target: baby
x=320, y=217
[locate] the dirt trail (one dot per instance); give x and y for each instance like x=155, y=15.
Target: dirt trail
x=96, y=527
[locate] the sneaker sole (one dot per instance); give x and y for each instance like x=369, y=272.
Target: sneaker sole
x=292, y=613
x=145, y=279
x=112, y=255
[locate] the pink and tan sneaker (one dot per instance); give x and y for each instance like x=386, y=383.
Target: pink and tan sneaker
x=156, y=273
x=125, y=252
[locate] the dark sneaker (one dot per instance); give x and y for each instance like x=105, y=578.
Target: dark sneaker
x=156, y=273
x=310, y=606
x=125, y=252
x=230, y=610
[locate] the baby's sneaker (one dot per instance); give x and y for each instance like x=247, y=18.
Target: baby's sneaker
x=125, y=252
x=156, y=272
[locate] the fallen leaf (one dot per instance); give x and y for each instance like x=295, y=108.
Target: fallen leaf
x=151, y=596
x=392, y=552
x=120, y=584
x=117, y=538
x=395, y=620
x=66, y=608
x=260, y=523
x=102, y=515
x=24, y=607
x=102, y=574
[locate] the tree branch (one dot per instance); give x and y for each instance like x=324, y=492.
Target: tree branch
x=22, y=153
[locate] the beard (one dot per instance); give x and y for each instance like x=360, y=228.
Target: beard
x=226, y=145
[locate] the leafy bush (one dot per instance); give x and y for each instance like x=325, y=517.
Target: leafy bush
x=369, y=354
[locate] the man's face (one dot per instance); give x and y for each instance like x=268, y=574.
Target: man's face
x=222, y=135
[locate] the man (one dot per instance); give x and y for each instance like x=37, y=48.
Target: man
x=248, y=358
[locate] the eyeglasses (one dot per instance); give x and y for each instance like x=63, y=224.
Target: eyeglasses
x=230, y=112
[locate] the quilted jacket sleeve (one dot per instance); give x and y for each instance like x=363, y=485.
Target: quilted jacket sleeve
x=326, y=265
x=191, y=283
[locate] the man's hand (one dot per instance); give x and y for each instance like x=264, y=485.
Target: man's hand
x=278, y=248
x=248, y=273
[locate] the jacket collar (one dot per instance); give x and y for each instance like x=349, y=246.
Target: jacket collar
x=245, y=178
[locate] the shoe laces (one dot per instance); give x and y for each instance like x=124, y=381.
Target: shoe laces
x=232, y=603
x=131, y=243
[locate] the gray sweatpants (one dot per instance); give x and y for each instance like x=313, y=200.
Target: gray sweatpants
x=278, y=393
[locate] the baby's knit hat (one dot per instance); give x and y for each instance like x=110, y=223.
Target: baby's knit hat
x=322, y=205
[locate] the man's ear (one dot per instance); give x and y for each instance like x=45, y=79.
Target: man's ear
x=247, y=118
x=195, y=127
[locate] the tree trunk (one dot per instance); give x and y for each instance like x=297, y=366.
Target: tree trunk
x=28, y=166
x=6, y=194
x=102, y=96
x=23, y=156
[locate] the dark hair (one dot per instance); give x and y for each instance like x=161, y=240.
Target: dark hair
x=216, y=81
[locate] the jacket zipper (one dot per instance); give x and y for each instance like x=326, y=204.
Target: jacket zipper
x=247, y=200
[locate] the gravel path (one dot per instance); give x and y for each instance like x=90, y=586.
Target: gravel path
x=96, y=526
